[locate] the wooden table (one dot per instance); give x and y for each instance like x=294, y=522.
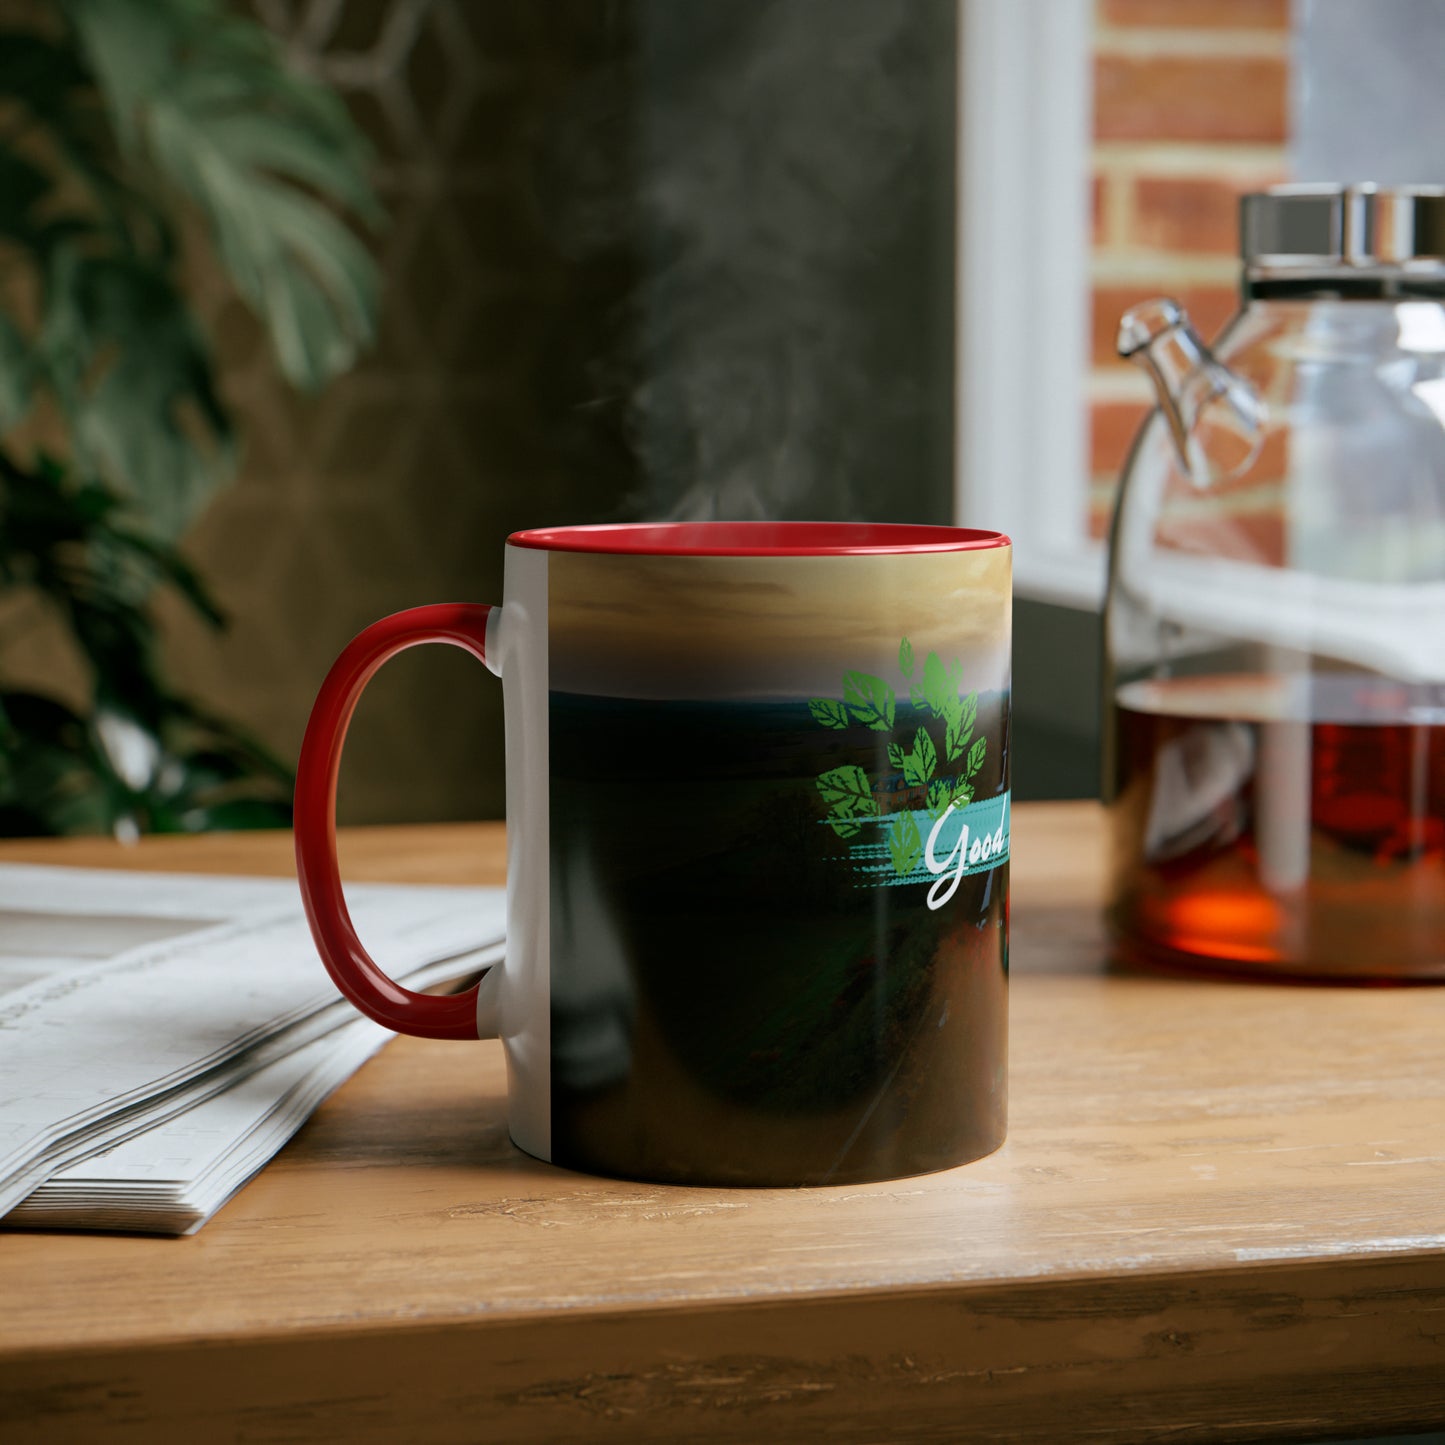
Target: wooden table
x=1220, y=1214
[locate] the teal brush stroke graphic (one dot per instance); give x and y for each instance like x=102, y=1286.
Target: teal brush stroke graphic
x=874, y=856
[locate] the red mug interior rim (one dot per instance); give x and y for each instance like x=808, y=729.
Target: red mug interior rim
x=756, y=539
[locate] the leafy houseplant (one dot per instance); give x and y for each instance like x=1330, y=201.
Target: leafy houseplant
x=129, y=129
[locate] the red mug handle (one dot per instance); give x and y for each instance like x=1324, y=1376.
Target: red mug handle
x=355, y=972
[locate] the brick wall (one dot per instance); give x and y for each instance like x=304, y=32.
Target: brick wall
x=1190, y=110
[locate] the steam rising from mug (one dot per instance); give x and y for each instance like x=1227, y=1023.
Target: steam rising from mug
x=774, y=178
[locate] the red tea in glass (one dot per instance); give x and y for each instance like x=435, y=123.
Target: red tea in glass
x=1289, y=825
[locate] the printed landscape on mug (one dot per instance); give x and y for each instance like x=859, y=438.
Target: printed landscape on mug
x=779, y=828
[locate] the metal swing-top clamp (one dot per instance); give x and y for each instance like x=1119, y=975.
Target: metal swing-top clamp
x=1356, y=240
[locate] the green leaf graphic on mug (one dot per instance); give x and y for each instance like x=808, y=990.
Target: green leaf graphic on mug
x=828, y=712
x=962, y=714
x=921, y=764
x=869, y=699
x=976, y=754
x=970, y=710
x=843, y=825
x=848, y=796
x=955, y=739
x=905, y=844
x=938, y=690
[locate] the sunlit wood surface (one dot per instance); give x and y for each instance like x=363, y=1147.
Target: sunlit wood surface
x=1220, y=1214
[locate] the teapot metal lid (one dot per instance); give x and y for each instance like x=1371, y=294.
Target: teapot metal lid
x=1314, y=228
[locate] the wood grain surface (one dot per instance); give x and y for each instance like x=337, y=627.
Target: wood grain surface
x=1220, y=1214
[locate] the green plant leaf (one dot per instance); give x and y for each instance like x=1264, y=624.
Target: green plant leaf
x=905, y=844
x=135, y=382
x=921, y=763
x=16, y=375
x=976, y=755
x=82, y=187
x=117, y=115
x=828, y=712
x=937, y=689
x=320, y=305
x=847, y=792
x=843, y=826
x=59, y=771
x=248, y=756
x=963, y=794
x=905, y=658
x=870, y=700
x=234, y=815
x=51, y=779
x=173, y=568
x=205, y=98
x=896, y=756
x=22, y=187
x=39, y=73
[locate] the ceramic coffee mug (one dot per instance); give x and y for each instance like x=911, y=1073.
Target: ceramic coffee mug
x=757, y=847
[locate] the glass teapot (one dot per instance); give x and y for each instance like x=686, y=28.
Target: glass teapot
x=1275, y=624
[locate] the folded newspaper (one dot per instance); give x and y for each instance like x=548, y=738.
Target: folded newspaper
x=162, y=1035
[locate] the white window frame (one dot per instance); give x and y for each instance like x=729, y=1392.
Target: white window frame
x=1025, y=134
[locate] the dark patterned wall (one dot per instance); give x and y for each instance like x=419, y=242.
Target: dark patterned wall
x=644, y=257
x=397, y=486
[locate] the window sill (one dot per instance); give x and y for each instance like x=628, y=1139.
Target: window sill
x=1064, y=578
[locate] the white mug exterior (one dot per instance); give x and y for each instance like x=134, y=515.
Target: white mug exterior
x=523, y=1013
